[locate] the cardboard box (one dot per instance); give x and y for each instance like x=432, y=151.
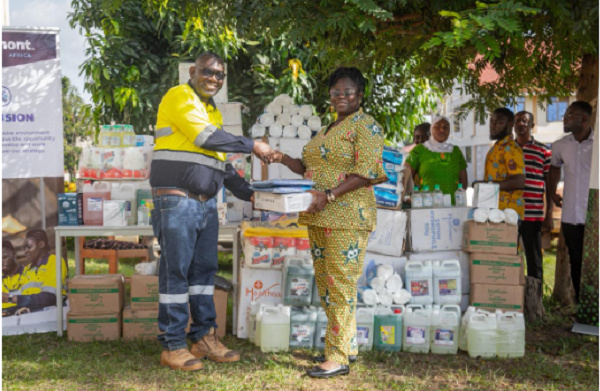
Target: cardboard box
x=438, y=229
x=388, y=237
x=70, y=208
x=220, y=298
x=260, y=285
x=144, y=293
x=486, y=195
x=492, y=297
x=486, y=268
x=140, y=324
x=283, y=203
x=490, y=238
x=93, y=327
x=96, y=294
x=463, y=259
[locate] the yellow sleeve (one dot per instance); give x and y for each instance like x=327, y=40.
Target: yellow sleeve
x=48, y=278
x=514, y=160
x=368, y=151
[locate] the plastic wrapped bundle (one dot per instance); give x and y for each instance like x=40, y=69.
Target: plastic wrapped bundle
x=266, y=119
x=481, y=215
x=384, y=272
x=290, y=131
x=284, y=119
x=386, y=299
x=305, y=111
x=393, y=284
x=314, y=123
x=290, y=109
x=284, y=100
x=401, y=297
x=274, y=108
x=496, y=216
x=276, y=130
x=297, y=120
x=370, y=297
x=378, y=285
x=257, y=130
x=511, y=216
x=133, y=159
x=304, y=132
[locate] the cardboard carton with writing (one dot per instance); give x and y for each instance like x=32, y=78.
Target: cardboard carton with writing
x=96, y=294
x=140, y=324
x=501, y=269
x=144, y=293
x=492, y=297
x=93, y=327
x=490, y=238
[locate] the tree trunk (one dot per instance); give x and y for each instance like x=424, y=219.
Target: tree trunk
x=534, y=306
x=587, y=91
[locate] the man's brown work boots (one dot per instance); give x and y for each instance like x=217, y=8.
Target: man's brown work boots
x=180, y=360
x=211, y=347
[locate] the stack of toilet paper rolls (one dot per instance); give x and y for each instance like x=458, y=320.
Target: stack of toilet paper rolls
x=283, y=118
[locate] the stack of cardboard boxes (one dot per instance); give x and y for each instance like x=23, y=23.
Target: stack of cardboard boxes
x=140, y=320
x=96, y=302
x=496, y=270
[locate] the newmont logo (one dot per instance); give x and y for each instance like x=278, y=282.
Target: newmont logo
x=17, y=45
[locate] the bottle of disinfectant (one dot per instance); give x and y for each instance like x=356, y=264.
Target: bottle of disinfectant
x=482, y=335
x=445, y=324
x=419, y=281
x=298, y=280
x=275, y=329
x=416, y=331
x=302, y=327
x=321, y=329
x=365, y=318
x=511, y=335
x=447, y=282
x=388, y=328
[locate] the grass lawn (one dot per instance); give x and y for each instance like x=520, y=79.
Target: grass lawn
x=555, y=359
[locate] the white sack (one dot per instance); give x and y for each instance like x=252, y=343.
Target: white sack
x=314, y=123
x=511, y=216
x=297, y=120
x=284, y=119
x=401, y=297
x=305, y=111
x=257, y=130
x=304, y=132
x=496, y=216
x=276, y=130
x=266, y=119
x=394, y=284
x=290, y=131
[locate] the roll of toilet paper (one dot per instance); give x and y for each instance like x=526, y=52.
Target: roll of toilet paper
x=481, y=215
x=511, y=216
x=257, y=130
x=297, y=120
x=386, y=299
x=290, y=131
x=276, y=130
x=496, y=216
x=401, y=297
x=290, y=109
x=284, y=119
x=266, y=119
x=370, y=297
x=274, y=108
x=378, y=285
x=314, y=123
x=305, y=111
x=384, y=272
x=393, y=284
x=284, y=100
x=304, y=132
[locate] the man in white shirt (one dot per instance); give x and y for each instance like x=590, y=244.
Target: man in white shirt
x=574, y=153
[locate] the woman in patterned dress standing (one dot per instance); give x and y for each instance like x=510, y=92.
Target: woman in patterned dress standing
x=344, y=160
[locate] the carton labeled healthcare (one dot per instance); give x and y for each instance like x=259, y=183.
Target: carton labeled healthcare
x=501, y=269
x=144, y=292
x=93, y=327
x=96, y=294
x=494, y=238
x=497, y=297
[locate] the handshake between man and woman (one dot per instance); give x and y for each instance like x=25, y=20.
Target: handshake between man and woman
x=265, y=153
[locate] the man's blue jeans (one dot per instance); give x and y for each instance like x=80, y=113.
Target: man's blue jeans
x=188, y=232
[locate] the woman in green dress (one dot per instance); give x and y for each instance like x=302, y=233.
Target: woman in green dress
x=437, y=161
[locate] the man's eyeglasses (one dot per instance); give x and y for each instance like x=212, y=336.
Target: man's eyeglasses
x=571, y=116
x=345, y=93
x=210, y=73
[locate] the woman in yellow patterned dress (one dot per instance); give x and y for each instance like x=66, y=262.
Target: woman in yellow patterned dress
x=344, y=160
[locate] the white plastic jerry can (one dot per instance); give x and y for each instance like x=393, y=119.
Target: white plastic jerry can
x=445, y=330
x=511, y=335
x=275, y=329
x=365, y=318
x=416, y=331
x=302, y=327
x=482, y=335
x=258, y=321
x=419, y=281
x=447, y=282
x=298, y=279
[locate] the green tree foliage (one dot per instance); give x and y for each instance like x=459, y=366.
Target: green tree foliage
x=77, y=122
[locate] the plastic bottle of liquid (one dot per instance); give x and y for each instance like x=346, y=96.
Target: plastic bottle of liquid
x=419, y=281
x=460, y=197
x=251, y=326
x=427, y=197
x=316, y=299
x=117, y=130
x=438, y=197
x=127, y=136
x=302, y=327
x=365, y=318
x=93, y=202
x=321, y=329
x=445, y=330
x=482, y=335
x=416, y=200
x=298, y=278
x=447, y=282
x=388, y=329
x=464, y=324
x=416, y=333
x=143, y=214
x=511, y=335
x=275, y=329
x=105, y=136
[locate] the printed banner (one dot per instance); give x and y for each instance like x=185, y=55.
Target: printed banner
x=32, y=119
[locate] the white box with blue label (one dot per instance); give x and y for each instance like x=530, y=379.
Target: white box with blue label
x=438, y=229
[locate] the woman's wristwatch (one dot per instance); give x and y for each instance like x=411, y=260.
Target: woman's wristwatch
x=330, y=196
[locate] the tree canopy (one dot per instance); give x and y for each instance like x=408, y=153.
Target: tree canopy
x=77, y=122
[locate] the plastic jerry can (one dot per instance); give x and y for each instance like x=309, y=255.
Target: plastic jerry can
x=93, y=199
x=511, y=335
x=275, y=329
x=447, y=282
x=298, y=277
x=388, y=329
x=482, y=335
x=419, y=281
x=127, y=192
x=416, y=332
x=365, y=323
x=258, y=252
x=302, y=327
x=321, y=329
x=282, y=247
x=445, y=327
x=258, y=321
x=316, y=298
x=464, y=323
x=251, y=325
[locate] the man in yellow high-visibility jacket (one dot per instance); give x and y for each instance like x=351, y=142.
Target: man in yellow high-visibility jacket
x=189, y=168
x=12, y=278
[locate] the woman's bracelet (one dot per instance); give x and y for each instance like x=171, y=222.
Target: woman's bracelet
x=330, y=196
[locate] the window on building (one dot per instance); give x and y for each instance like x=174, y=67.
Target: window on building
x=456, y=122
x=519, y=105
x=556, y=109
x=469, y=155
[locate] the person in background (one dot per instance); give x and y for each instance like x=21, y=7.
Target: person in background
x=189, y=168
x=344, y=160
x=504, y=162
x=421, y=133
x=574, y=153
x=536, y=157
x=12, y=278
x=437, y=162
x=39, y=275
